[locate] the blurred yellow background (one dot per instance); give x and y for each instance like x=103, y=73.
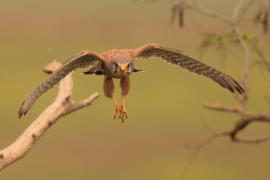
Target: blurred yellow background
x=164, y=104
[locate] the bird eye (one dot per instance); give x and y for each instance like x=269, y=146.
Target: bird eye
x=129, y=67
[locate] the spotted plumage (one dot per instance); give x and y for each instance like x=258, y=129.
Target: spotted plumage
x=119, y=64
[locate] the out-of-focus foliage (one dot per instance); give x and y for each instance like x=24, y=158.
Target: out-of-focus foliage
x=218, y=41
x=224, y=42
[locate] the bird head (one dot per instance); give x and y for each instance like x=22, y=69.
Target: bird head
x=121, y=65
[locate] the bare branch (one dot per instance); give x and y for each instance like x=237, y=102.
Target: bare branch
x=219, y=107
x=240, y=9
x=246, y=56
x=252, y=140
x=208, y=13
x=62, y=106
x=243, y=124
x=258, y=118
x=233, y=134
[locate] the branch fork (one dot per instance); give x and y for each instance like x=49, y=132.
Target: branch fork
x=62, y=106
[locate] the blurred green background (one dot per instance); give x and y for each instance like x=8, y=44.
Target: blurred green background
x=164, y=103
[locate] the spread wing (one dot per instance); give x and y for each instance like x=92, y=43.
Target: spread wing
x=83, y=60
x=176, y=57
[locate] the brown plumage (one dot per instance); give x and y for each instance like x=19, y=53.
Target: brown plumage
x=119, y=64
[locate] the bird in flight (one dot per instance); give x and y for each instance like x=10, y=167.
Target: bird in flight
x=119, y=64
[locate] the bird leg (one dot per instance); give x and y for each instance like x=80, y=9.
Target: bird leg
x=125, y=85
x=108, y=87
x=123, y=108
x=118, y=112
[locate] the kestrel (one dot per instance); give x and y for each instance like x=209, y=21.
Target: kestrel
x=119, y=64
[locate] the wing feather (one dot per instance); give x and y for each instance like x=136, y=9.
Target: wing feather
x=83, y=60
x=176, y=57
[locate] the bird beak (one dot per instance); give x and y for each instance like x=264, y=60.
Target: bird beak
x=123, y=67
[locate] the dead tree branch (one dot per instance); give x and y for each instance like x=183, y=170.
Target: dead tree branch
x=246, y=119
x=220, y=107
x=62, y=106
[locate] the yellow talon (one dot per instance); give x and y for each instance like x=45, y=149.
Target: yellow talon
x=124, y=112
x=117, y=112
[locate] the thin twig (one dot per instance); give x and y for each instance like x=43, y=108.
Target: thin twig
x=246, y=56
x=220, y=107
x=196, y=150
x=240, y=10
x=208, y=13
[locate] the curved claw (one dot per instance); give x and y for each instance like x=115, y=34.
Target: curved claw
x=124, y=112
x=123, y=116
x=120, y=113
x=117, y=113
